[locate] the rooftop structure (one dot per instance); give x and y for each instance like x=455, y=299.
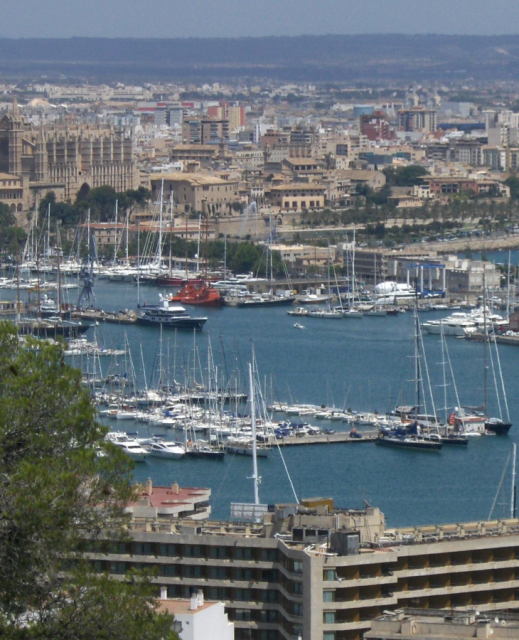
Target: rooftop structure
x=417, y=624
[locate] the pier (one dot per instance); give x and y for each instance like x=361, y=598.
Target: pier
x=106, y=316
x=327, y=438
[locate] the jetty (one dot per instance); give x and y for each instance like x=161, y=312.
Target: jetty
x=327, y=438
x=96, y=315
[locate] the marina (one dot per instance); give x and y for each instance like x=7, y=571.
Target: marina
x=335, y=377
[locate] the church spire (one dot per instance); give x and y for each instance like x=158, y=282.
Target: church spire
x=16, y=111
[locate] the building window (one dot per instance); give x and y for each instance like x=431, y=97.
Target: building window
x=297, y=588
x=297, y=567
x=143, y=549
x=243, y=594
x=167, y=550
x=243, y=574
x=329, y=575
x=243, y=614
x=297, y=609
x=329, y=635
x=268, y=555
x=328, y=596
x=329, y=617
x=243, y=553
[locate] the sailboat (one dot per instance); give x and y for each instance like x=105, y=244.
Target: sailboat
x=376, y=310
x=352, y=311
x=502, y=424
x=410, y=434
x=450, y=433
x=328, y=314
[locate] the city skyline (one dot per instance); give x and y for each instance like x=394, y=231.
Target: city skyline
x=228, y=18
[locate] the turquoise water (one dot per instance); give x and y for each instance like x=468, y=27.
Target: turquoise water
x=364, y=364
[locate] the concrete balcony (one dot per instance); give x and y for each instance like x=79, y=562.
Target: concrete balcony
x=339, y=605
x=466, y=588
x=348, y=626
x=457, y=568
x=361, y=582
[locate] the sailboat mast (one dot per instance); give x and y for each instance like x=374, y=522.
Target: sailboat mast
x=48, y=233
x=138, y=261
x=417, y=363
x=58, y=249
x=88, y=233
x=159, y=248
x=485, y=346
x=198, y=244
x=115, y=235
x=253, y=426
x=127, y=234
x=225, y=258
x=171, y=223
x=514, y=490
x=508, y=287
x=444, y=372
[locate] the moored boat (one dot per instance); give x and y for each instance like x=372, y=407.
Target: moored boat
x=169, y=315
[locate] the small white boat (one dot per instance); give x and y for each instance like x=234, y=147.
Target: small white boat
x=130, y=446
x=165, y=449
x=297, y=325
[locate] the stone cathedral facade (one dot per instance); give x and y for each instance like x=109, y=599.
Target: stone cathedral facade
x=62, y=158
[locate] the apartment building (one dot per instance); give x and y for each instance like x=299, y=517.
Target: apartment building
x=205, y=130
x=298, y=196
x=450, y=186
x=196, y=192
x=315, y=572
x=417, y=119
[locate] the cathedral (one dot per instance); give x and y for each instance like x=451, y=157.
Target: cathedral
x=61, y=158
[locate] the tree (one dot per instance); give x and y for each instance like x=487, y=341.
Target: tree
x=405, y=176
x=7, y=217
x=56, y=493
x=9, y=231
x=513, y=183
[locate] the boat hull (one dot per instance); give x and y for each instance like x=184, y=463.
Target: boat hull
x=187, y=324
x=266, y=303
x=419, y=445
x=499, y=428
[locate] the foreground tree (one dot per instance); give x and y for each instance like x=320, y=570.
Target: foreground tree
x=56, y=491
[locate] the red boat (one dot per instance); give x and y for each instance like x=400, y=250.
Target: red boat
x=201, y=294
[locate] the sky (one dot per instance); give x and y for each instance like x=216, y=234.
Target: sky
x=240, y=18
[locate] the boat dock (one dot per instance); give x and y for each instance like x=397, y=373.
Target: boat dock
x=327, y=438
x=94, y=315
x=500, y=338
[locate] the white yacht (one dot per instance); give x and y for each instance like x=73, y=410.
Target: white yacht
x=165, y=449
x=462, y=324
x=457, y=324
x=130, y=446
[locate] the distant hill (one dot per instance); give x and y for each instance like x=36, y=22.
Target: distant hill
x=303, y=58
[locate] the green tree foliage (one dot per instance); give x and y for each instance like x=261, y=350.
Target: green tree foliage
x=55, y=493
x=67, y=214
x=9, y=232
x=405, y=176
x=513, y=183
x=7, y=217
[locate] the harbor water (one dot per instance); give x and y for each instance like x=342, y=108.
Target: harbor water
x=365, y=364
